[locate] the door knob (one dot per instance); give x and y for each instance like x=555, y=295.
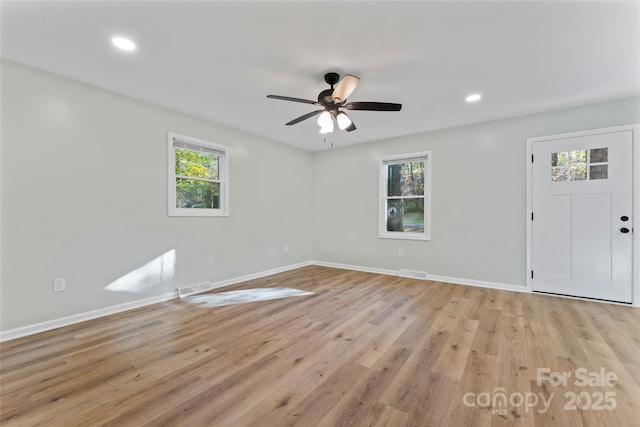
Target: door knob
x=624, y=230
x=624, y=218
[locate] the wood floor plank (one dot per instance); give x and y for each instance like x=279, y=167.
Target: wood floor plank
x=366, y=349
x=411, y=387
x=354, y=408
x=453, y=358
x=385, y=416
x=315, y=407
x=384, y=339
x=487, y=337
x=513, y=373
x=478, y=378
x=603, y=362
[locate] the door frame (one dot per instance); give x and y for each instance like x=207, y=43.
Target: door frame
x=635, y=194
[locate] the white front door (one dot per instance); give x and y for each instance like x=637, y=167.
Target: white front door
x=581, y=228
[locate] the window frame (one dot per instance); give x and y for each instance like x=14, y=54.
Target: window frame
x=223, y=177
x=383, y=196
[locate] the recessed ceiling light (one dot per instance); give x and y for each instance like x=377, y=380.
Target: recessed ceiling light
x=122, y=43
x=474, y=97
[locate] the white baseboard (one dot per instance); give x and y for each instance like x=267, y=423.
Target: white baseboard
x=477, y=283
x=258, y=275
x=82, y=317
x=445, y=279
x=355, y=268
x=101, y=312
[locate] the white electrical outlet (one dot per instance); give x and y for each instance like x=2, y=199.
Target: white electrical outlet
x=58, y=285
x=400, y=252
x=210, y=260
x=286, y=248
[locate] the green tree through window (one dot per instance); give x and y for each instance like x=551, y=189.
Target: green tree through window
x=197, y=180
x=198, y=177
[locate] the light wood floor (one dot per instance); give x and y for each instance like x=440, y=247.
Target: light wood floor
x=365, y=350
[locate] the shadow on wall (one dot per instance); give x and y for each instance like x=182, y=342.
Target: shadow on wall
x=145, y=278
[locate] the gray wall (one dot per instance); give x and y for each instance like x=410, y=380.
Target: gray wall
x=478, y=196
x=84, y=197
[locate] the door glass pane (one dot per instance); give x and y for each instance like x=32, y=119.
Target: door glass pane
x=559, y=174
x=569, y=165
x=598, y=172
x=578, y=173
x=599, y=155
x=577, y=156
x=562, y=158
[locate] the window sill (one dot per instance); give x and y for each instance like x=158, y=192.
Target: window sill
x=197, y=212
x=405, y=236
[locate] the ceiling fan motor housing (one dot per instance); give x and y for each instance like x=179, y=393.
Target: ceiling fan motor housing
x=332, y=78
x=324, y=97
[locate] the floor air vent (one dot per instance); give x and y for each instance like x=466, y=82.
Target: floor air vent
x=194, y=289
x=412, y=274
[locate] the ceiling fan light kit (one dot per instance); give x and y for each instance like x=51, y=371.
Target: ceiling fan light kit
x=332, y=100
x=325, y=122
x=343, y=120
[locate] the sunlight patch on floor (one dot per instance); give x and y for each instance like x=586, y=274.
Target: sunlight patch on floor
x=243, y=296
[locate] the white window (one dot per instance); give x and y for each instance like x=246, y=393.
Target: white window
x=198, y=177
x=405, y=196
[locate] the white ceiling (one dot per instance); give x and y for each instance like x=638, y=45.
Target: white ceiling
x=219, y=60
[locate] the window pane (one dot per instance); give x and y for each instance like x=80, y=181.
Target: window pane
x=405, y=179
x=413, y=217
x=195, y=194
x=599, y=155
x=394, y=215
x=405, y=215
x=197, y=165
x=394, y=180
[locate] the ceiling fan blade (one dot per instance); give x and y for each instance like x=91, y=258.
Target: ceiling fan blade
x=304, y=117
x=373, y=106
x=344, y=89
x=288, y=98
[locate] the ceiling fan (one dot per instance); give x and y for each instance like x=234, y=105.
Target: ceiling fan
x=332, y=100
